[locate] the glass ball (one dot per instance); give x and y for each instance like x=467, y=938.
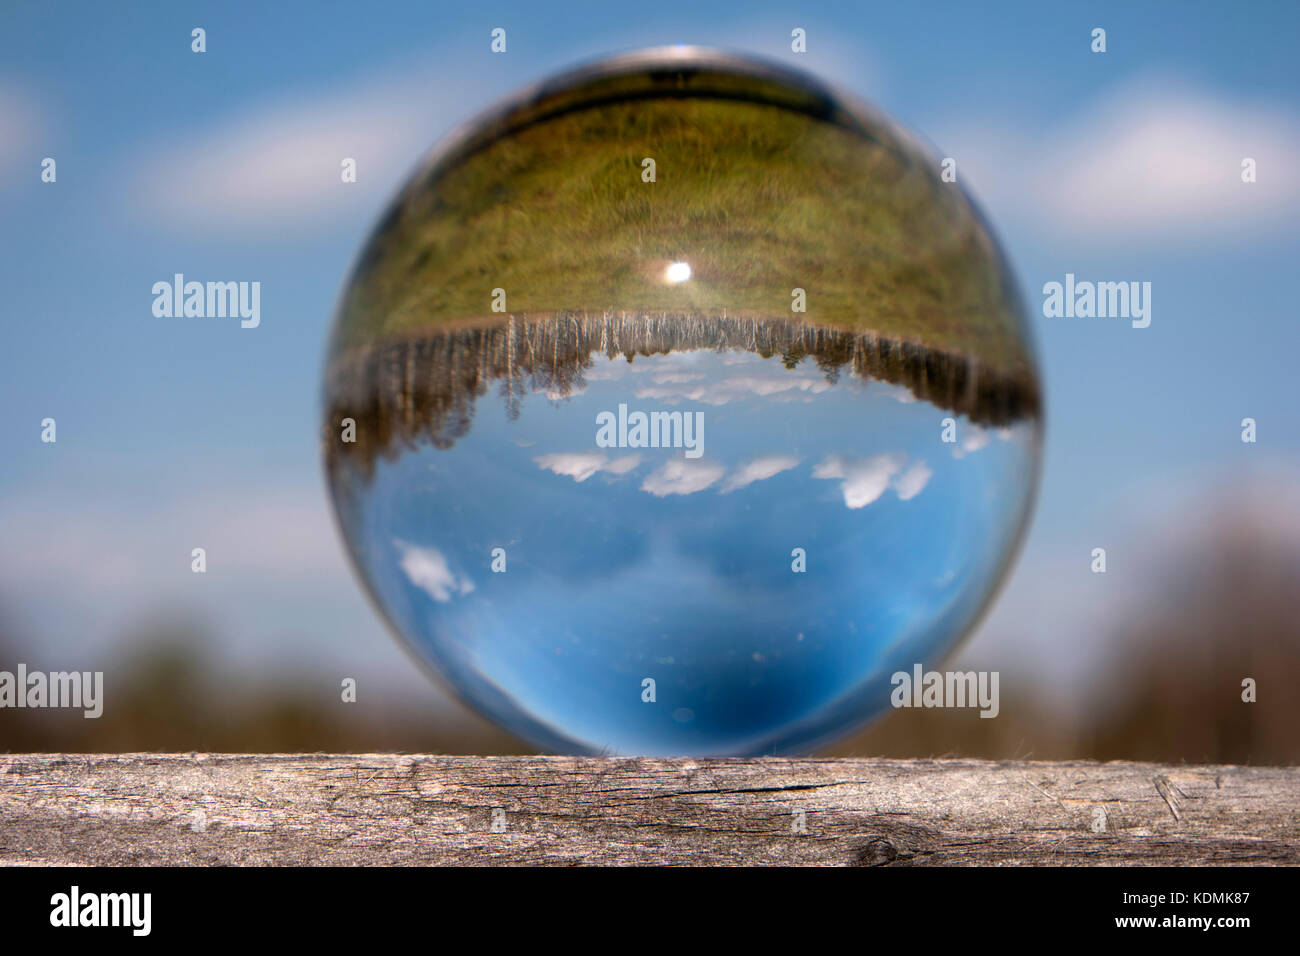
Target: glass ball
x=676, y=405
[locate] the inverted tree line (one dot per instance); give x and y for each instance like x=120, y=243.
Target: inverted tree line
x=419, y=389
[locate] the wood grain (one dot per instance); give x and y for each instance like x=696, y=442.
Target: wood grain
x=392, y=809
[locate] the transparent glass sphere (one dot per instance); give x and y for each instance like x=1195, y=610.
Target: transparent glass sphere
x=676, y=405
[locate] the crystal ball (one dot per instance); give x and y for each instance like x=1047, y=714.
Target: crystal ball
x=675, y=405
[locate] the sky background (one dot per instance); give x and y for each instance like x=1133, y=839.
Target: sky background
x=175, y=434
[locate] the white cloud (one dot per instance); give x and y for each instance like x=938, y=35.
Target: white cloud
x=738, y=358
x=735, y=387
x=621, y=466
x=976, y=438
x=1152, y=159
x=576, y=465
x=581, y=465
x=611, y=370
x=276, y=165
x=760, y=469
x=428, y=570
x=554, y=394
x=913, y=481
x=863, y=480
x=680, y=476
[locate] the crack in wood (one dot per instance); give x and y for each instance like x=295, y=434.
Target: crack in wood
x=1170, y=794
x=375, y=809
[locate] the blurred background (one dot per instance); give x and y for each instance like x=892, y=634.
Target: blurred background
x=176, y=434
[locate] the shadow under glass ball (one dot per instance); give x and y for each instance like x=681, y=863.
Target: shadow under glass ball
x=676, y=405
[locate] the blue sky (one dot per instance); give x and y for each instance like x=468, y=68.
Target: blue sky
x=224, y=165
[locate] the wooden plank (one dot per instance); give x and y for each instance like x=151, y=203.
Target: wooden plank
x=392, y=809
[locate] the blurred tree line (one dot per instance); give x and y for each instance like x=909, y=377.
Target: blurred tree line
x=1224, y=611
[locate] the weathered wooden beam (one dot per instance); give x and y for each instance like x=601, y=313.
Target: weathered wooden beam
x=394, y=809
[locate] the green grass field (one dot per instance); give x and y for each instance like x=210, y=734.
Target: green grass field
x=757, y=199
